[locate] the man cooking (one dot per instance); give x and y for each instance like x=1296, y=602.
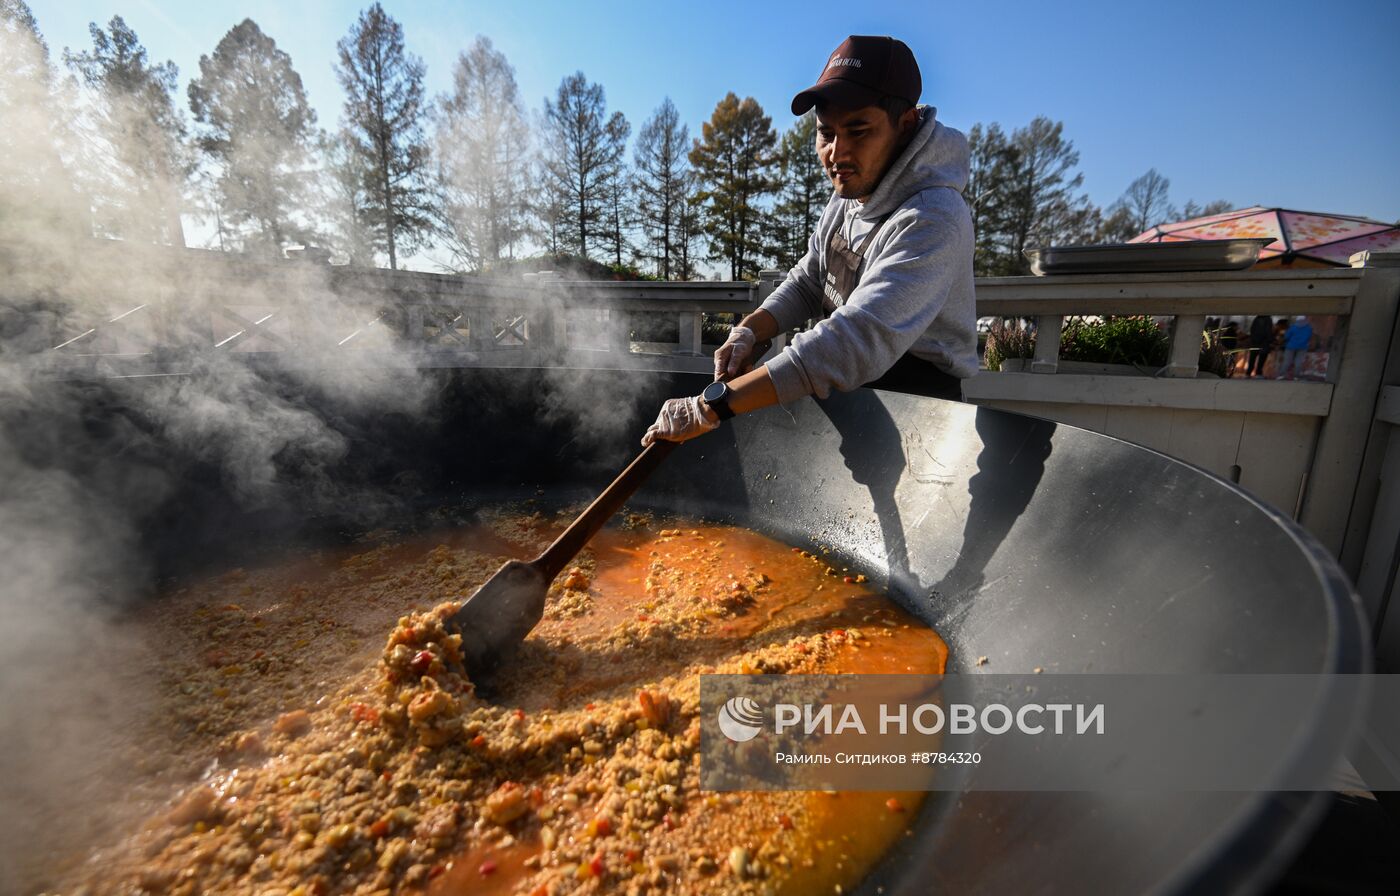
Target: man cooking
x=888, y=269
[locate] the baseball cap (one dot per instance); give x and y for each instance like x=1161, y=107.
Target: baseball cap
x=863, y=71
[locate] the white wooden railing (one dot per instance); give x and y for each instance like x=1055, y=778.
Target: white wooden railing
x=1326, y=452
x=126, y=310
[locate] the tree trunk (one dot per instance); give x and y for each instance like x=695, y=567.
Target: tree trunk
x=382, y=140
x=582, y=228
x=389, y=217
x=177, y=229
x=666, y=212
x=617, y=230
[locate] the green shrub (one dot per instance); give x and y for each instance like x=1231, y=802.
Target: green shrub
x=1133, y=340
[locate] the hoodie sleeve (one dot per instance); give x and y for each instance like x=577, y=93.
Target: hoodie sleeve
x=900, y=293
x=799, y=298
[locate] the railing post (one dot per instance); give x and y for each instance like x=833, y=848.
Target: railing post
x=1047, y=343
x=1336, y=348
x=768, y=281
x=479, y=335
x=1348, y=464
x=540, y=326
x=1185, y=357
x=546, y=319
x=690, y=333
x=619, y=331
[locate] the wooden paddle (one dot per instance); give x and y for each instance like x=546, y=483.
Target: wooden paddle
x=498, y=616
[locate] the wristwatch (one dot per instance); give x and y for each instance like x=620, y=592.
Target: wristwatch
x=716, y=395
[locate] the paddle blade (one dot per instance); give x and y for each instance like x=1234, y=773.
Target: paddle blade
x=498, y=616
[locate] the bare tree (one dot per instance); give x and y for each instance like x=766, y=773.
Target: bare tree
x=1146, y=200
x=137, y=134
x=662, y=179
x=257, y=132
x=582, y=153
x=1146, y=204
x=1192, y=210
x=384, y=110
x=482, y=151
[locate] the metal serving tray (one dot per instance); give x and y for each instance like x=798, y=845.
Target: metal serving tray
x=1141, y=258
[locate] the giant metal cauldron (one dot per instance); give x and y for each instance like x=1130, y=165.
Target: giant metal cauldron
x=1029, y=543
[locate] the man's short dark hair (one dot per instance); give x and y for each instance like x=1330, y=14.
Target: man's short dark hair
x=895, y=107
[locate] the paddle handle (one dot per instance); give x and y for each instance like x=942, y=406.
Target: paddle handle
x=568, y=544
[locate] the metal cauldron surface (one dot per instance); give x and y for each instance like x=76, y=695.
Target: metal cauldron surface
x=1031, y=543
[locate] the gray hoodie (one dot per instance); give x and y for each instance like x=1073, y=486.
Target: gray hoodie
x=915, y=290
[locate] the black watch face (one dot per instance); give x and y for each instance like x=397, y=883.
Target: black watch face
x=716, y=395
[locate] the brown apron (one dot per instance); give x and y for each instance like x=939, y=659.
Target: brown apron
x=843, y=267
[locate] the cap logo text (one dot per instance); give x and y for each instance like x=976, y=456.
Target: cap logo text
x=838, y=61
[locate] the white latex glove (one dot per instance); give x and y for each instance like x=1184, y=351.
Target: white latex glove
x=681, y=419
x=736, y=356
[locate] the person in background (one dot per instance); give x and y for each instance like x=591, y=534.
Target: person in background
x=1276, y=346
x=1296, y=341
x=888, y=271
x=1261, y=342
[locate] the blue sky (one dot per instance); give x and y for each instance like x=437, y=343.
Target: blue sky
x=1289, y=103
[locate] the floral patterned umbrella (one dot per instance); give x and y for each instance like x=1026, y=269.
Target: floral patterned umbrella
x=1304, y=239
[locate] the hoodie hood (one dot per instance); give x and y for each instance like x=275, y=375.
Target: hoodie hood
x=937, y=156
x=915, y=294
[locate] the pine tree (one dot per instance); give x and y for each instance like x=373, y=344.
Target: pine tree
x=988, y=193
x=138, y=135
x=1075, y=223
x=257, y=131
x=38, y=199
x=1116, y=225
x=551, y=209
x=734, y=161
x=619, y=218
x=662, y=183
x=1041, y=205
x=385, y=112
x=482, y=150
x=804, y=194
x=581, y=154
x=345, y=205
x=689, y=231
